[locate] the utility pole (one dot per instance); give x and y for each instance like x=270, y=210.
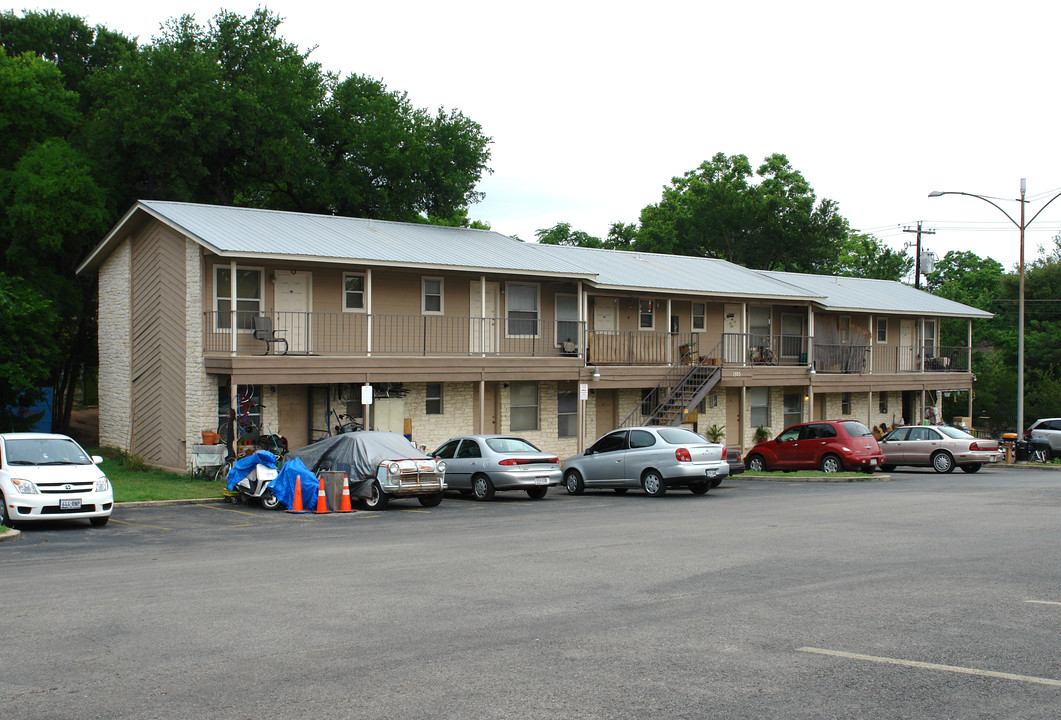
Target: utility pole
x=917, y=256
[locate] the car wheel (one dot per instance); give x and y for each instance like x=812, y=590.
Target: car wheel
x=756, y=463
x=99, y=521
x=482, y=488
x=620, y=491
x=887, y=467
x=699, y=488
x=653, y=483
x=537, y=492
x=972, y=467
x=270, y=501
x=831, y=464
x=574, y=483
x=378, y=499
x=431, y=500
x=942, y=462
x=5, y=519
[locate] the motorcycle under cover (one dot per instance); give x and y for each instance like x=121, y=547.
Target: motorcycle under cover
x=358, y=454
x=245, y=465
x=283, y=485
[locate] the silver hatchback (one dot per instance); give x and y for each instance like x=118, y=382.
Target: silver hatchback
x=483, y=464
x=652, y=457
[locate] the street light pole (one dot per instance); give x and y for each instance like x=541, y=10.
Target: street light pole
x=1022, y=226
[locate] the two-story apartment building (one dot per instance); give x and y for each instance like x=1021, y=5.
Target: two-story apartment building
x=453, y=330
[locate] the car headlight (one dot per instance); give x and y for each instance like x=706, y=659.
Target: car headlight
x=393, y=468
x=103, y=485
x=24, y=487
x=441, y=465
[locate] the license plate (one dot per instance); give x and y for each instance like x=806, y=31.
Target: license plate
x=873, y=461
x=541, y=481
x=711, y=473
x=74, y=504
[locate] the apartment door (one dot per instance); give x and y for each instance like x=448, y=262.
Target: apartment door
x=792, y=347
x=734, y=434
x=732, y=327
x=292, y=302
x=490, y=404
x=605, y=409
x=906, y=345
x=605, y=343
x=483, y=331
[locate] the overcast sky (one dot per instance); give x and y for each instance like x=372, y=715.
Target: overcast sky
x=593, y=107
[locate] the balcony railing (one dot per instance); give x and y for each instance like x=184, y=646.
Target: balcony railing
x=314, y=333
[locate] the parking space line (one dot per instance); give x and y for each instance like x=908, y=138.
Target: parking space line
x=1043, y=602
x=153, y=527
x=224, y=509
x=419, y=511
x=933, y=666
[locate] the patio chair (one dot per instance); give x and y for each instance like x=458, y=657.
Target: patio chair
x=263, y=330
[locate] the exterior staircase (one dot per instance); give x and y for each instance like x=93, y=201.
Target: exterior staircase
x=680, y=390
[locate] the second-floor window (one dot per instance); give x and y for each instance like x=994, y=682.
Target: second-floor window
x=699, y=317
x=566, y=319
x=432, y=288
x=882, y=330
x=248, y=297
x=930, y=338
x=646, y=319
x=522, y=309
x=354, y=292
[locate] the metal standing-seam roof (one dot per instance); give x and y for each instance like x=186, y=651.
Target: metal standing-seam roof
x=249, y=232
x=868, y=295
x=628, y=270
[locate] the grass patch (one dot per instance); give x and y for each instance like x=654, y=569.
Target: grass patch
x=133, y=481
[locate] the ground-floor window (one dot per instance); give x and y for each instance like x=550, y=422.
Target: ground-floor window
x=793, y=408
x=433, y=403
x=845, y=404
x=566, y=412
x=759, y=406
x=524, y=405
x=882, y=402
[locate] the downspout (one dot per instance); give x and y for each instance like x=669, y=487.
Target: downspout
x=368, y=309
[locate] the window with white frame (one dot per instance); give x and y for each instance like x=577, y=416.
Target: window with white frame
x=522, y=310
x=432, y=294
x=793, y=402
x=844, y=325
x=566, y=319
x=248, y=297
x=882, y=330
x=759, y=406
x=699, y=317
x=566, y=411
x=882, y=402
x=523, y=404
x=646, y=319
x=433, y=400
x=930, y=338
x=353, y=292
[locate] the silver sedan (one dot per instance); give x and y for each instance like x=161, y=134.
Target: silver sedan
x=938, y=447
x=483, y=464
x=653, y=458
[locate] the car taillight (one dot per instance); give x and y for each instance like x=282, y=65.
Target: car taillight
x=974, y=446
x=509, y=461
x=682, y=455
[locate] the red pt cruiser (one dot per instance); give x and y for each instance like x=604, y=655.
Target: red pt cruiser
x=826, y=445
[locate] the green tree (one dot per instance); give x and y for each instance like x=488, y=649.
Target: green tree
x=863, y=255
x=24, y=360
x=770, y=219
x=562, y=234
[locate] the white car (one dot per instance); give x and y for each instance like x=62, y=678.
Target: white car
x=51, y=477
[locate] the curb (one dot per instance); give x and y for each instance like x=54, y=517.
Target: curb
x=10, y=534
x=823, y=479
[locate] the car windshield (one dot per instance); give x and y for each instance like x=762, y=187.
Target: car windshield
x=45, y=451
x=679, y=436
x=855, y=428
x=953, y=432
x=510, y=445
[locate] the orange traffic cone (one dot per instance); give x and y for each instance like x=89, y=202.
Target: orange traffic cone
x=322, y=500
x=344, y=506
x=297, y=504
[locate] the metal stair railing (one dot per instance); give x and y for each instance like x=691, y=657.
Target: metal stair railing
x=681, y=389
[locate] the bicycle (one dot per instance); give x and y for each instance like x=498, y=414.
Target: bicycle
x=763, y=355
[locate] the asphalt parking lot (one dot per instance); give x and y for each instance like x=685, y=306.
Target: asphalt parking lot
x=926, y=596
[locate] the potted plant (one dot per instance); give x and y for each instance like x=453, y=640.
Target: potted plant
x=715, y=433
x=761, y=434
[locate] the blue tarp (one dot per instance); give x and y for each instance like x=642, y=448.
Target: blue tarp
x=245, y=465
x=283, y=486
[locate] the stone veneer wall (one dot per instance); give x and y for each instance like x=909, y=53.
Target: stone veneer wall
x=115, y=348
x=201, y=401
